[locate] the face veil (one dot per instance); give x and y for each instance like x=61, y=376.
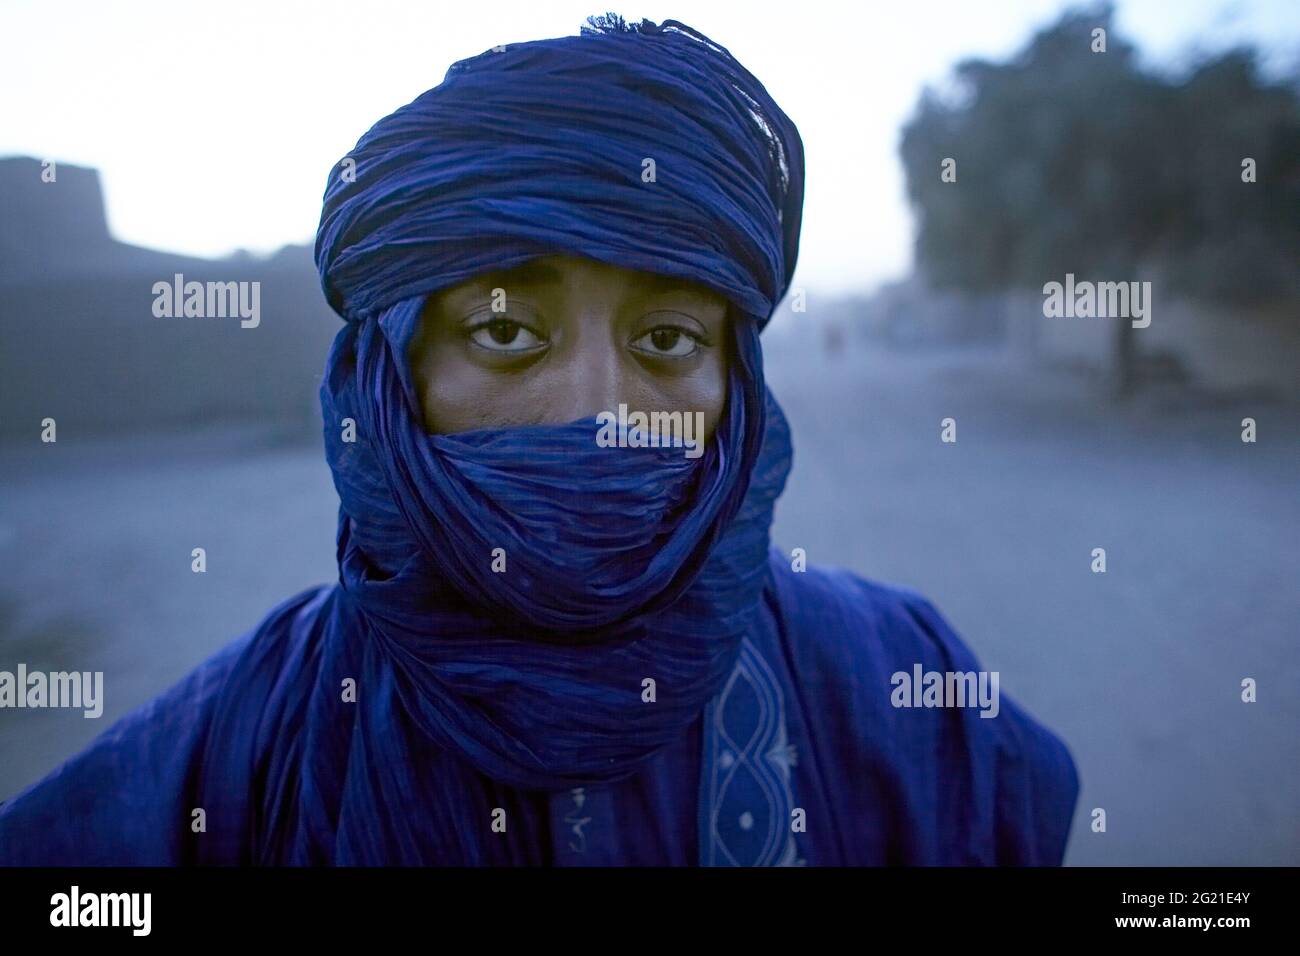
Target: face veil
x=646, y=147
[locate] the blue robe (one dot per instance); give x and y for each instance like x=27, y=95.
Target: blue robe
x=803, y=723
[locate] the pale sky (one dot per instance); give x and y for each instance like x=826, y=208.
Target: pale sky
x=214, y=125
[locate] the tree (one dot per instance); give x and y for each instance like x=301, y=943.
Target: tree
x=1070, y=160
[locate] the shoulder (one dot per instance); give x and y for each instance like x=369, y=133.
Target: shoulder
x=125, y=798
x=844, y=620
x=984, y=782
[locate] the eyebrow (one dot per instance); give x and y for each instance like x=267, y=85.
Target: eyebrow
x=527, y=273
x=541, y=273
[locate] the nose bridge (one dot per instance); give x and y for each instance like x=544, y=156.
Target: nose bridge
x=593, y=366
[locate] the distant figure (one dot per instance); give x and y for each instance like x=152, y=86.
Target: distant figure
x=833, y=339
x=545, y=649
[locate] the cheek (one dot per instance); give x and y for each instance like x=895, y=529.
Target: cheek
x=447, y=391
x=458, y=395
x=703, y=390
x=712, y=401
x=443, y=397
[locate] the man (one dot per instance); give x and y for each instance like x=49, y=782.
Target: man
x=560, y=635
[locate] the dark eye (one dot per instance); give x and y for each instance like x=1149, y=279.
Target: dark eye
x=667, y=342
x=504, y=335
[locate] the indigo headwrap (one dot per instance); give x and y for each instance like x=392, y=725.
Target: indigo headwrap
x=621, y=564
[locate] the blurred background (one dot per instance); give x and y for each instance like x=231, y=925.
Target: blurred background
x=197, y=140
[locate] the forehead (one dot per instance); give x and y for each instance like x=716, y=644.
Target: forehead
x=559, y=270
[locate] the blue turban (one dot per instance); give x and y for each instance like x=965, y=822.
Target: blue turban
x=620, y=564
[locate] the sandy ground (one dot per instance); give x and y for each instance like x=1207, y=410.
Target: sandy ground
x=1139, y=669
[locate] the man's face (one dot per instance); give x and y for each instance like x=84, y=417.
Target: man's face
x=576, y=337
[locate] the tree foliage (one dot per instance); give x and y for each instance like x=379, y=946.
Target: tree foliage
x=1070, y=160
